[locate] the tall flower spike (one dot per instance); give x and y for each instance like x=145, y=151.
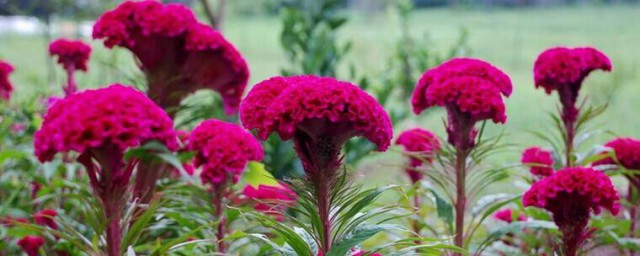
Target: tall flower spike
x=423, y=145
x=31, y=244
x=563, y=70
x=540, y=161
x=223, y=151
x=470, y=89
x=177, y=54
x=571, y=195
x=320, y=114
x=5, y=85
x=72, y=55
x=101, y=125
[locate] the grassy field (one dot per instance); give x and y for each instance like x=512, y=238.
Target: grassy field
x=511, y=39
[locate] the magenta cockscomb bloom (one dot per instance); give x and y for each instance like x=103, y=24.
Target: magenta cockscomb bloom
x=563, y=70
x=113, y=119
x=223, y=150
x=571, y=195
x=312, y=109
x=507, y=215
x=177, y=54
x=423, y=145
x=540, y=161
x=272, y=200
x=5, y=85
x=470, y=89
x=31, y=244
x=627, y=155
x=73, y=55
x=45, y=218
x=320, y=114
x=101, y=125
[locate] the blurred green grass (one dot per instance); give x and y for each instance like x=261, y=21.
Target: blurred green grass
x=509, y=38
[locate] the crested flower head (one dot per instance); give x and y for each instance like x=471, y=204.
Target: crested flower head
x=72, y=54
x=507, y=215
x=178, y=54
x=223, y=150
x=470, y=89
x=627, y=153
x=561, y=67
x=31, y=244
x=317, y=108
x=5, y=85
x=45, y=218
x=571, y=195
x=117, y=117
x=540, y=160
x=579, y=188
x=563, y=70
x=272, y=200
x=422, y=144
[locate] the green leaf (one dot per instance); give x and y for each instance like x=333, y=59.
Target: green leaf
x=257, y=175
x=353, y=238
x=444, y=209
x=513, y=228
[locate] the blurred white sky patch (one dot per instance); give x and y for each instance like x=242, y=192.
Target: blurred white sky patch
x=25, y=25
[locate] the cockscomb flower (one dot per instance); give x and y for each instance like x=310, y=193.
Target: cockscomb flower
x=506, y=215
x=540, y=161
x=470, y=89
x=101, y=125
x=320, y=114
x=31, y=244
x=45, y=218
x=313, y=108
x=5, y=85
x=272, y=200
x=422, y=144
x=72, y=55
x=563, y=70
x=117, y=117
x=223, y=150
x=177, y=54
x=627, y=155
x=571, y=195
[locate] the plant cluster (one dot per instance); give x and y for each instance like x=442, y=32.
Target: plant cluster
x=110, y=171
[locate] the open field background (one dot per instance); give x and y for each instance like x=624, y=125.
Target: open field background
x=509, y=38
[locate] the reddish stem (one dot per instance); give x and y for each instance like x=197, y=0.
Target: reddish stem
x=218, y=197
x=71, y=86
x=461, y=198
x=632, y=214
x=415, y=224
x=114, y=230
